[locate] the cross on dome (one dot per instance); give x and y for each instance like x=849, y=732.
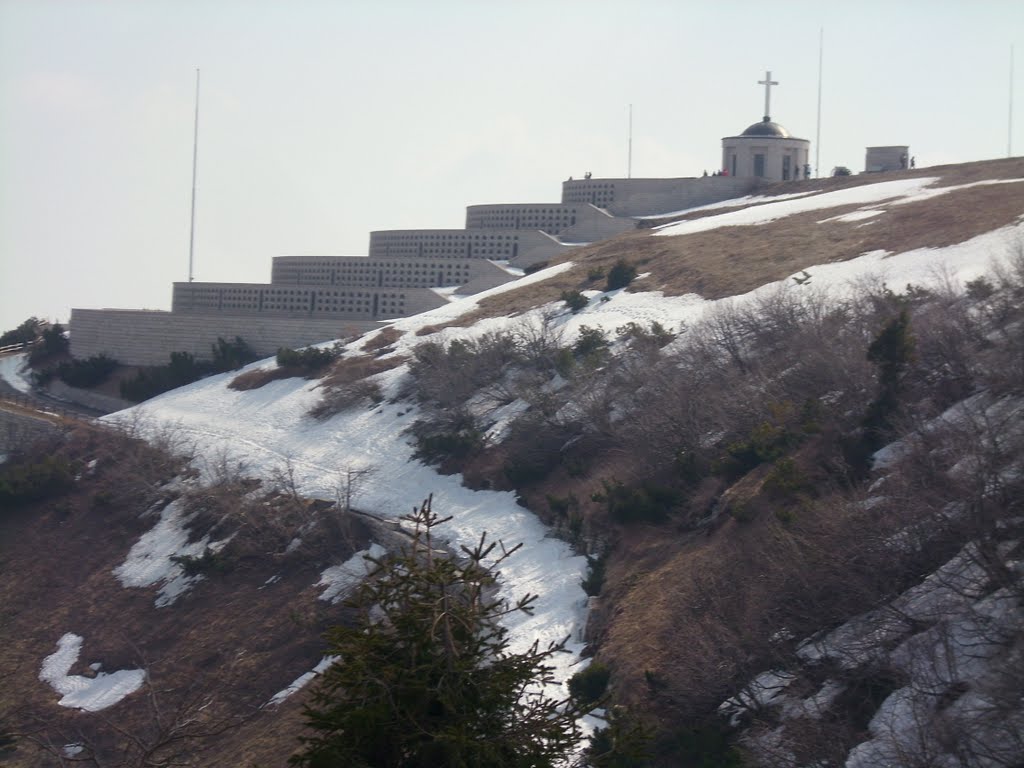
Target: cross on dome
x=767, y=83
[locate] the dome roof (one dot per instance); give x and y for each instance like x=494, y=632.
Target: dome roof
x=767, y=128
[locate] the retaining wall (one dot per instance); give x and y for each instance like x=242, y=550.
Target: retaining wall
x=94, y=400
x=143, y=337
x=650, y=197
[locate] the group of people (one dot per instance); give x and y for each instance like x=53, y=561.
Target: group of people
x=796, y=171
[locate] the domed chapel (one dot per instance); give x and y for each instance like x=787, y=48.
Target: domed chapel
x=766, y=150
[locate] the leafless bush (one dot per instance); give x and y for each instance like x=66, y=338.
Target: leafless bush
x=540, y=341
x=674, y=412
x=147, y=456
x=352, y=481
x=449, y=375
x=345, y=397
x=349, y=384
x=724, y=335
x=775, y=316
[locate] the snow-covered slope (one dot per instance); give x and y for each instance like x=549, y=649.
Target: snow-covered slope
x=269, y=427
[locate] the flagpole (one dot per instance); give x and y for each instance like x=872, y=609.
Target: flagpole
x=195, y=150
x=1009, y=131
x=817, y=139
x=629, y=160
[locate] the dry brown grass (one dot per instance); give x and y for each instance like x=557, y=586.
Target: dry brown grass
x=351, y=369
x=734, y=260
x=331, y=375
x=249, y=380
x=383, y=340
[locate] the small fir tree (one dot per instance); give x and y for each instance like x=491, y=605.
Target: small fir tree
x=574, y=300
x=621, y=275
x=892, y=351
x=425, y=677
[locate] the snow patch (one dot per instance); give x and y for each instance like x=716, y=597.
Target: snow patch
x=762, y=214
x=13, y=370
x=855, y=215
x=301, y=681
x=149, y=561
x=78, y=692
x=735, y=202
x=338, y=580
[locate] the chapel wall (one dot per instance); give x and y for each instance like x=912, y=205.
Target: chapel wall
x=744, y=149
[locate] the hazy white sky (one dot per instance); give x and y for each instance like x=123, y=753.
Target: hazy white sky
x=323, y=120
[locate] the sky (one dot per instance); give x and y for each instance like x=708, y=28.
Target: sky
x=321, y=121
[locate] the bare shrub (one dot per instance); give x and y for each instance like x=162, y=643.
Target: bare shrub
x=149, y=455
x=345, y=397
x=539, y=340
x=352, y=482
x=348, y=384
x=1003, y=311
x=723, y=333
x=774, y=317
x=947, y=345
x=448, y=376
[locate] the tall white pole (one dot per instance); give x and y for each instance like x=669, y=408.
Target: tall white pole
x=195, y=150
x=629, y=157
x=1009, y=132
x=817, y=139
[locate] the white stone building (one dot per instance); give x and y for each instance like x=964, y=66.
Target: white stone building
x=766, y=150
x=891, y=158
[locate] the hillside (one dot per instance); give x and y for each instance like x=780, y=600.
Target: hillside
x=801, y=406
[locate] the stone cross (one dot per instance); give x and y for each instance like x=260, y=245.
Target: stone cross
x=767, y=83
